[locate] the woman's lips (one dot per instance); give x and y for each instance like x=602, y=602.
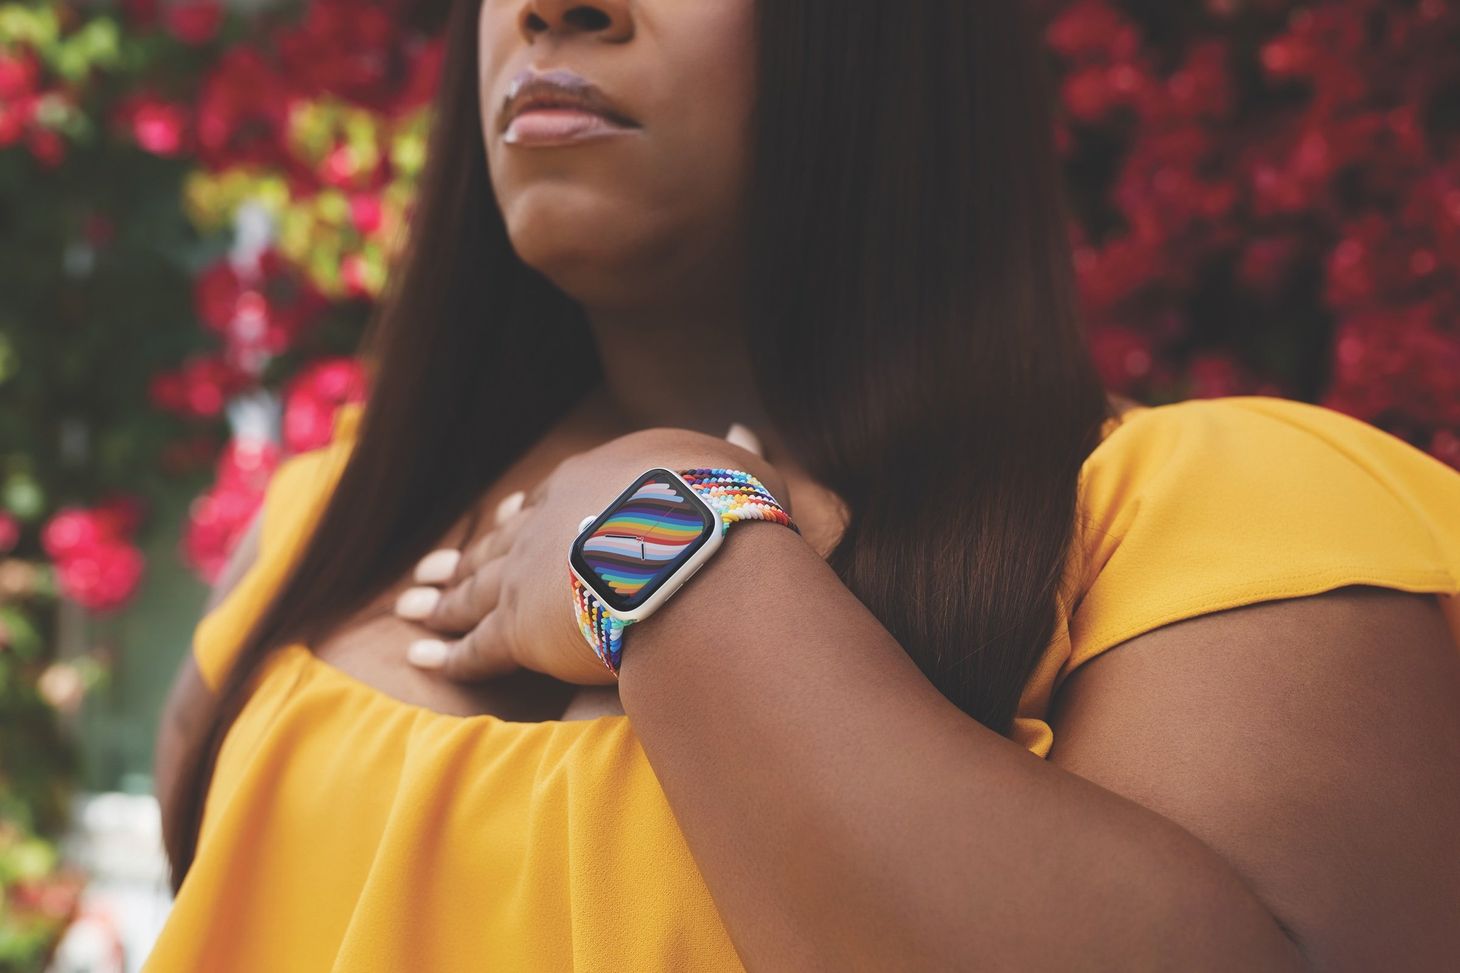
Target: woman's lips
x=559, y=126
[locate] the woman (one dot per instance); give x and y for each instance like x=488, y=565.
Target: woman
x=837, y=226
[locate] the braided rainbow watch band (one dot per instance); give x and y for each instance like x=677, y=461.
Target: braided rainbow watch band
x=733, y=494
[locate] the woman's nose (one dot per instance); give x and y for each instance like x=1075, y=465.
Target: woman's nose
x=607, y=20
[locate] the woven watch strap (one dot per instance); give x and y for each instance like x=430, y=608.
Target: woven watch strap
x=733, y=494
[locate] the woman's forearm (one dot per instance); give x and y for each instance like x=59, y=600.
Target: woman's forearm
x=844, y=814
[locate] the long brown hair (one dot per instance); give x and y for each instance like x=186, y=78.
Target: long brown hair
x=921, y=348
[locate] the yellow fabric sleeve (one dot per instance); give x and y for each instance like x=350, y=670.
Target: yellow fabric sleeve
x=1210, y=504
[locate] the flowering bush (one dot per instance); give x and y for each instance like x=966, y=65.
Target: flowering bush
x=199, y=205
x=307, y=149
x=1269, y=199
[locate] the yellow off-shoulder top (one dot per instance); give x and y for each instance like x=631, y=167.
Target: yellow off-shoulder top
x=346, y=830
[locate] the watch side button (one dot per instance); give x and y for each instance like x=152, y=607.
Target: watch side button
x=583, y=524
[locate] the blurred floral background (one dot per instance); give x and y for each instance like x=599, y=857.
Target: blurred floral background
x=199, y=202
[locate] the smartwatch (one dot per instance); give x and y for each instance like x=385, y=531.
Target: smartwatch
x=626, y=561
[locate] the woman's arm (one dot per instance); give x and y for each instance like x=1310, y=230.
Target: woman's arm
x=1262, y=807
x=190, y=702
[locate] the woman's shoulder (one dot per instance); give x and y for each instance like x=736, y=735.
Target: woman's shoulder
x=1206, y=504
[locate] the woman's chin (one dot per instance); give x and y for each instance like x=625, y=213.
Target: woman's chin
x=585, y=278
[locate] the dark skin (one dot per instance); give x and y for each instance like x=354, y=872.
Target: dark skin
x=1269, y=787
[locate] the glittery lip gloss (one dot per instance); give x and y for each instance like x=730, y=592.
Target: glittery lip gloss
x=559, y=126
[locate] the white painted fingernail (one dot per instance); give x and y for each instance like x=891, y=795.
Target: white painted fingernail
x=741, y=436
x=417, y=603
x=438, y=567
x=510, y=505
x=427, y=653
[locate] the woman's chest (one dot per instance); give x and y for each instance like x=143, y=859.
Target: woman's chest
x=371, y=648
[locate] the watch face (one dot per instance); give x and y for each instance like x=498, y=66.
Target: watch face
x=643, y=537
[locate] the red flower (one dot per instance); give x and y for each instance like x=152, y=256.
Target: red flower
x=1267, y=262
x=246, y=465
x=71, y=531
x=193, y=21
x=216, y=523
x=13, y=119
x=365, y=212
x=313, y=399
x=218, y=519
x=346, y=48
x=157, y=126
x=258, y=314
x=18, y=75
x=241, y=111
x=1123, y=356
x=9, y=532
x=1212, y=375
x=1092, y=29
x=425, y=56
x=200, y=388
x=140, y=13
x=48, y=148
x=103, y=577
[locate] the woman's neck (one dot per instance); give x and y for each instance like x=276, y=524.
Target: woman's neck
x=686, y=370
x=693, y=371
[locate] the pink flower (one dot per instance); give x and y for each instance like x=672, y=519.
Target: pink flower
x=103, y=577
x=365, y=212
x=72, y=531
x=313, y=399
x=19, y=73
x=246, y=465
x=218, y=518
x=159, y=127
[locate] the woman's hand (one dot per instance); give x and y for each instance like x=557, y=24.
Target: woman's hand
x=506, y=602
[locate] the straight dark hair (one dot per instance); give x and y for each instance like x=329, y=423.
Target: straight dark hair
x=921, y=348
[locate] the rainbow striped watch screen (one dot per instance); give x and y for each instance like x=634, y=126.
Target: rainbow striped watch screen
x=642, y=539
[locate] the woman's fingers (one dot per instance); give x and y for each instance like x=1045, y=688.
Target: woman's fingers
x=460, y=607
x=495, y=542
x=465, y=606
x=510, y=506
x=438, y=567
x=483, y=653
x=448, y=565
x=456, y=569
x=744, y=437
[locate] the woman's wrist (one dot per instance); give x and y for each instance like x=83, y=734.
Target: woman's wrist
x=679, y=449
x=707, y=616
